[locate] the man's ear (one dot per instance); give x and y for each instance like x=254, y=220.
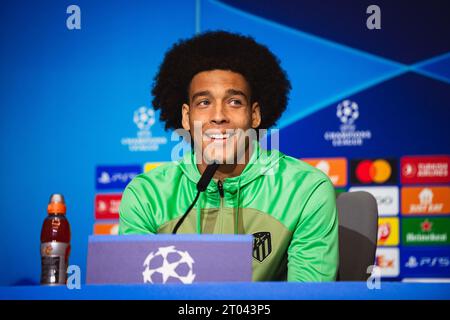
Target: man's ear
x=185, y=117
x=256, y=115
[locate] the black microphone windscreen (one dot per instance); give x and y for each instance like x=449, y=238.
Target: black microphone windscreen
x=207, y=176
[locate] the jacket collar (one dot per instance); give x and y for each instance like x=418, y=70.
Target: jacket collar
x=262, y=162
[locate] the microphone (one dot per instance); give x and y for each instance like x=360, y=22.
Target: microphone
x=202, y=184
x=207, y=176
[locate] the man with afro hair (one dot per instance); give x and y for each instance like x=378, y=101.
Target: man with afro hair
x=222, y=88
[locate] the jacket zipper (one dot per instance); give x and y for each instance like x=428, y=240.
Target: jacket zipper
x=220, y=186
x=221, y=193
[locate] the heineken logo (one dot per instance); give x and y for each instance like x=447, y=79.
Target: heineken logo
x=432, y=237
x=426, y=226
x=425, y=231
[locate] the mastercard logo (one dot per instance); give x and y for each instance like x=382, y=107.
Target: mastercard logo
x=374, y=171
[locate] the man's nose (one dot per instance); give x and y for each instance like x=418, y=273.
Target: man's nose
x=219, y=116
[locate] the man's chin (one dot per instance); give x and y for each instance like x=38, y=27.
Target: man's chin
x=221, y=153
x=220, y=158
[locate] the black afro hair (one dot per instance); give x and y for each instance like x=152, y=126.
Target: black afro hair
x=224, y=51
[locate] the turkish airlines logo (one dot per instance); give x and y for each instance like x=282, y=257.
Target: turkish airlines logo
x=428, y=200
x=425, y=169
x=374, y=171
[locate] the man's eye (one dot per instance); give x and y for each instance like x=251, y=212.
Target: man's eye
x=236, y=102
x=203, y=103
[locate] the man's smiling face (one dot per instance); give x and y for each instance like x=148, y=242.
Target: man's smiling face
x=219, y=105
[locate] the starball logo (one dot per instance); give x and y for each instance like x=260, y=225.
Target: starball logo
x=348, y=112
x=169, y=264
x=144, y=119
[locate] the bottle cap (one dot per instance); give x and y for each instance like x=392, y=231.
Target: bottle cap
x=56, y=204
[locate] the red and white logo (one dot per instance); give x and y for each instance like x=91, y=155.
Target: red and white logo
x=425, y=169
x=107, y=206
x=388, y=260
x=384, y=231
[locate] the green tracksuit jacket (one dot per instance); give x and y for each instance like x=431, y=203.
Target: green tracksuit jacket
x=288, y=205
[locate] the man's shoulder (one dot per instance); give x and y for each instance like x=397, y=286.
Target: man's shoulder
x=302, y=171
x=166, y=173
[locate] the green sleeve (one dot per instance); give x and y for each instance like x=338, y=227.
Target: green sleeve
x=313, y=253
x=134, y=211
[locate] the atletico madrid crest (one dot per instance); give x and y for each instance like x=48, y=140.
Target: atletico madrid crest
x=262, y=245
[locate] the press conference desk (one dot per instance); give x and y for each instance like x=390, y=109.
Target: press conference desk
x=237, y=291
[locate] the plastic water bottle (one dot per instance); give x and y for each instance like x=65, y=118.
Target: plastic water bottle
x=55, y=243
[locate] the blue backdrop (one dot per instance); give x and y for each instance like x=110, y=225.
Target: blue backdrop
x=68, y=96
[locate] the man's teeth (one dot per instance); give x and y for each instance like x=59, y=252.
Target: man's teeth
x=219, y=136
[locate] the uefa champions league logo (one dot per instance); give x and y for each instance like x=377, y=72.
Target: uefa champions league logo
x=144, y=119
x=347, y=111
x=168, y=264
